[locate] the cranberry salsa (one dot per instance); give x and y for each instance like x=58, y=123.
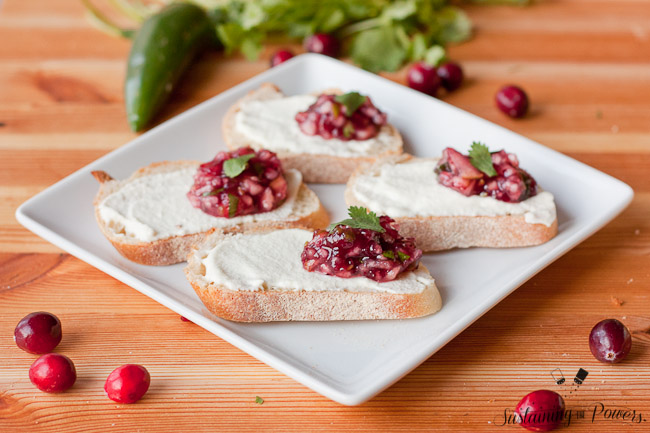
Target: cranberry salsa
x=485, y=173
x=350, y=116
x=241, y=182
x=363, y=246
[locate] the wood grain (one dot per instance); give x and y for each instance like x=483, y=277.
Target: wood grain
x=586, y=66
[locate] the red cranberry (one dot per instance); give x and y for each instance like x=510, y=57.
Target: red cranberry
x=511, y=183
x=280, y=57
x=127, y=384
x=53, y=373
x=610, y=341
x=330, y=119
x=260, y=187
x=322, y=43
x=541, y=410
x=513, y=101
x=348, y=252
x=451, y=76
x=38, y=332
x=185, y=319
x=424, y=78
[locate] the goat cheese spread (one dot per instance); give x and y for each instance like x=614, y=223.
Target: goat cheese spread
x=245, y=262
x=411, y=188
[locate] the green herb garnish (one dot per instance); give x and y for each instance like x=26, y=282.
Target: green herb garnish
x=233, y=202
x=233, y=167
x=352, y=101
x=480, y=157
x=389, y=254
x=402, y=257
x=213, y=192
x=360, y=218
x=259, y=400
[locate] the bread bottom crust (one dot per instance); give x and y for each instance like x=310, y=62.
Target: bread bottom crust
x=302, y=305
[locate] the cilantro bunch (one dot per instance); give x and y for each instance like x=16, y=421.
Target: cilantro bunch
x=379, y=35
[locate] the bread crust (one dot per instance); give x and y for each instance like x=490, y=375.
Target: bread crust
x=175, y=249
x=436, y=233
x=302, y=305
x=315, y=168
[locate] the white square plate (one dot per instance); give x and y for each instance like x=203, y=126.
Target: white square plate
x=349, y=362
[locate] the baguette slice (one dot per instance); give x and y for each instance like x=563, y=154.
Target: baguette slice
x=267, y=302
x=435, y=233
x=307, y=212
x=316, y=168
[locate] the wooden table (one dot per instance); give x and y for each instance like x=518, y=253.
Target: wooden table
x=586, y=66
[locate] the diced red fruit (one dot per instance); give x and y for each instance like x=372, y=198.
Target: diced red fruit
x=451, y=76
x=513, y=101
x=53, y=373
x=541, y=410
x=38, y=332
x=610, y=341
x=280, y=57
x=330, y=119
x=323, y=43
x=511, y=184
x=423, y=77
x=127, y=384
x=261, y=187
x=348, y=252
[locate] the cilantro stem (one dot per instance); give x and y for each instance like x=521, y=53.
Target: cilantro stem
x=100, y=22
x=361, y=26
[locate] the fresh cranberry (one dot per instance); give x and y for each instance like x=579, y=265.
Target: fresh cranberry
x=451, y=76
x=128, y=383
x=323, y=43
x=260, y=187
x=330, y=119
x=511, y=183
x=185, y=319
x=38, y=332
x=53, y=373
x=541, y=410
x=610, y=341
x=424, y=78
x=348, y=252
x=513, y=101
x=280, y=57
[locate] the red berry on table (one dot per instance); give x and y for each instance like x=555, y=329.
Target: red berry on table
x=127, y=384
x=423, y=77
x=513, y=101
x=38, y=332
x=280, y=57
x=53, y=373
x=610, y=341
x=323, y=43
x=541, y=410
x=451, y=76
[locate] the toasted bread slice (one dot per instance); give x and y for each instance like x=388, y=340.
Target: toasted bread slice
x=166, y=249
x=316, y=168
x=443, y=232
x=249, y=285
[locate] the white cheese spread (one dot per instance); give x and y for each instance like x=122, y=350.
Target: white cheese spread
x=272, y=261
x=411, y=188
x=271, y=124
x=156, y=207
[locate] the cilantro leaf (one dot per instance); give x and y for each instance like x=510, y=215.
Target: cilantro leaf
x=233, y=167
x=378, y=49
x=435, y=55
x=389, y=254
x=480, y=157
x=360, y=218
x=259, y=400
x=351, y=100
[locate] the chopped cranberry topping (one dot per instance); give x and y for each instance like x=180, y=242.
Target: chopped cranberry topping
x=330, y=119
x=260, y=186
x=511, y=183
x=348, y=252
